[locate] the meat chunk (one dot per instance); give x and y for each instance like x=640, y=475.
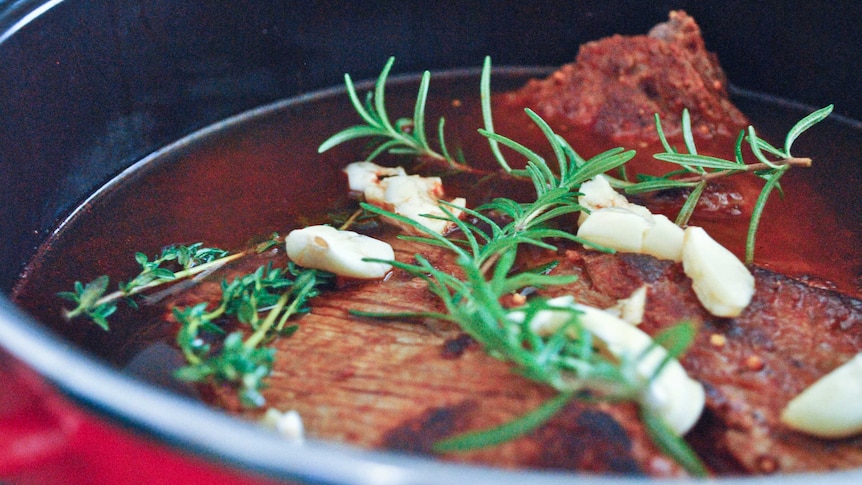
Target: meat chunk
x=617, y=84
x=752, y=365
x=396, y=384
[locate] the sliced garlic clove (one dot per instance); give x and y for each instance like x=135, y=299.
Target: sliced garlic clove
x=615, y=227
x=361, y=175
x=663, y=239
x=829, y=408
x=672, y=394
x=631, y=310
x=341, y=252
x=596, y=194
x=721, y=282
x=414, y=197
x=288, y=424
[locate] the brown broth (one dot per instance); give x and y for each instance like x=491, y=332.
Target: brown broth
x=261, y=173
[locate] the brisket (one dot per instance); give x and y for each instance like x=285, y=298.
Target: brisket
x=397, y=385
x=617, y=84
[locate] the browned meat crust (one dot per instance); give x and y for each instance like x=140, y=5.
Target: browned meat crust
x=617, y=84
x=399, y=385
x=790, y=335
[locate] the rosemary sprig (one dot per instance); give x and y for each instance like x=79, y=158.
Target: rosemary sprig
x=568, y=361
x=406, y=136
x=698, y=170
x=694, y=173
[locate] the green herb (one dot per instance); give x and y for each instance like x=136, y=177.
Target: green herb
x=695, y=172
x=698, y=170
x=568, y=360
x=406, y=136
x=91, y=298
x=263, y=301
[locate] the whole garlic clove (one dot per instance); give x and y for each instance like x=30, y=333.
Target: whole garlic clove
x=829, y=408
x=340, y=252
x=721, y=282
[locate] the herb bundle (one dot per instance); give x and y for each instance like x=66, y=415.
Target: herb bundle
x=263, y=301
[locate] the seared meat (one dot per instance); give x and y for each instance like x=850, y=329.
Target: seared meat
x=617, y=84
x=790, y=335
x=399, y=385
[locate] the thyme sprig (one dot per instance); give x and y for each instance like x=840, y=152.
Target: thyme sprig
x=93, y=301
x=263, y=301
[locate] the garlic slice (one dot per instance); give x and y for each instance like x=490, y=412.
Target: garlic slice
x=721, y=282
x=663, y=239
x=361, y=175
x=631, y=310
x=341, y=252
x=287, y=424
x=610, y=212
x=597, y=193
x=672, y=394
x=829, y=408
x=615, y=227
x=411, y=196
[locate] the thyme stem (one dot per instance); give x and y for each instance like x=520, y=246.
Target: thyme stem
x=179, y=275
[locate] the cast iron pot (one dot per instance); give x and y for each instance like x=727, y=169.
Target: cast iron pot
x=89, y=87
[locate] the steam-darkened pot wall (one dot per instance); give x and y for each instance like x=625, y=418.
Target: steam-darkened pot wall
x=88, y=87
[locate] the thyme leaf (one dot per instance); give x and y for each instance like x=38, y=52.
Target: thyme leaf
x=263, y=301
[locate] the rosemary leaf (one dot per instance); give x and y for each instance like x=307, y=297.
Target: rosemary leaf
x=505, y=432
x=673, y=445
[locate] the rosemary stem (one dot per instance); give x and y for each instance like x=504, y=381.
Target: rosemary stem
x=754, y=167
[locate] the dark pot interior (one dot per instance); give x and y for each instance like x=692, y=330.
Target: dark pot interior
x=91, y=87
